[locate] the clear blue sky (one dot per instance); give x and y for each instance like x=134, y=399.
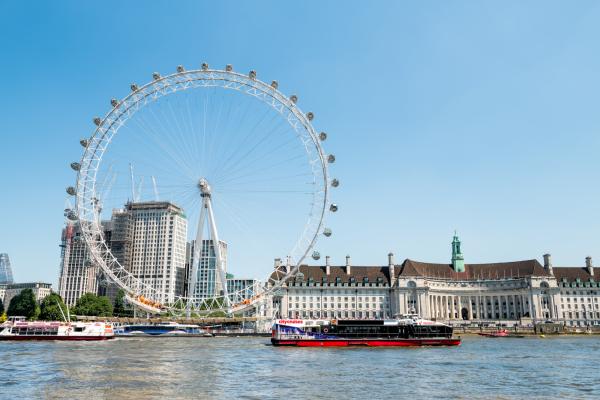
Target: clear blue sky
x=475, y=116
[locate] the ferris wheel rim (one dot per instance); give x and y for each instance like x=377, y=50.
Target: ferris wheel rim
x=171, y=84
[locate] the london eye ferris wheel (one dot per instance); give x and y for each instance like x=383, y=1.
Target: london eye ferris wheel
x=240, y=160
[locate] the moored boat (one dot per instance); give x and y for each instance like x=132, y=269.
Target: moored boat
x=406, y=331
x=161, y=329
x=500, y=333
x=41, y=330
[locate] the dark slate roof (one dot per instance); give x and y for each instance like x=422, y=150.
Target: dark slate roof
x=411, y=268
x=572, y=273
x=514, y=269
x=317, y=273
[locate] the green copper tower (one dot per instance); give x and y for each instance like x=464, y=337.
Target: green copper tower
x=458, y=262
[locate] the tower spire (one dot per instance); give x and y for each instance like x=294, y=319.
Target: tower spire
x=458, y=261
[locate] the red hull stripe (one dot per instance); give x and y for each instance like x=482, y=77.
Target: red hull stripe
x=55, y=337
x=369, y=343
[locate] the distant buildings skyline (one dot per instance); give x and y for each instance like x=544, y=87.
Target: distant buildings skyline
x=149, y=239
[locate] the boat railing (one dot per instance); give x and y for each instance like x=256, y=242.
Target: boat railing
x=361, y=335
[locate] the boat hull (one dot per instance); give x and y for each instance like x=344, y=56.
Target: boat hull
x=53, y=338
x=365, y=342
x=493, y=335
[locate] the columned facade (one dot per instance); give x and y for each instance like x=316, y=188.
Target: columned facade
x=484, y=300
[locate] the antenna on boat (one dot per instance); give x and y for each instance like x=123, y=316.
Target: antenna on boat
x=61, y=311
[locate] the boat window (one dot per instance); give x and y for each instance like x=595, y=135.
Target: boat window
x=79, y=329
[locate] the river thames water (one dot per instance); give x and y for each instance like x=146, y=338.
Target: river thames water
x=248, y=368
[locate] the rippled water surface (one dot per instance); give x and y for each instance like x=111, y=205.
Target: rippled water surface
x=227, y=368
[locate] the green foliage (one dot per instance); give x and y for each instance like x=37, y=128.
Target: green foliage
x=24, y=305
x=50, y=309
x=3, y=317
x=217, y=314
x=94, y=306
x=120, y=308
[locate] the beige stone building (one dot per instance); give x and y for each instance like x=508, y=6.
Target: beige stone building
x=517, y=292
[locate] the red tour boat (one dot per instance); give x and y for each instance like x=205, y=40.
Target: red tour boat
x=408, y=330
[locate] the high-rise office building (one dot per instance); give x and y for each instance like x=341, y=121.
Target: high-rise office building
x=243, y=288
x=207, y=279
x=153, y=237
x=78, y=274
x=6, y=275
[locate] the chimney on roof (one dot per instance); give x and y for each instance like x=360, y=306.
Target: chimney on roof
x=277, y=264
x=327, y=265
x=589, y=265
x=391, y=268
x=348, y=265
x=548, y=263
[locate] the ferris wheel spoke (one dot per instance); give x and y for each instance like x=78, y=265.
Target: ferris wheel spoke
x=252, y=182
x=221, y=144
x=211, y=153
x=166, y=147
x=264, y=163
x=184, y=140
x=245, y=159
x=234, y=215
x=174, y=130
x=263, y=168
x=266, y=154
x=169, y=137
x=244, y=142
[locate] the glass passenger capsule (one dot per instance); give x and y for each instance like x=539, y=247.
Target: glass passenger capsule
x=71, y=215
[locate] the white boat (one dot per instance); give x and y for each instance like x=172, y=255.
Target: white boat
x=19, y=329
x=160, y=329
